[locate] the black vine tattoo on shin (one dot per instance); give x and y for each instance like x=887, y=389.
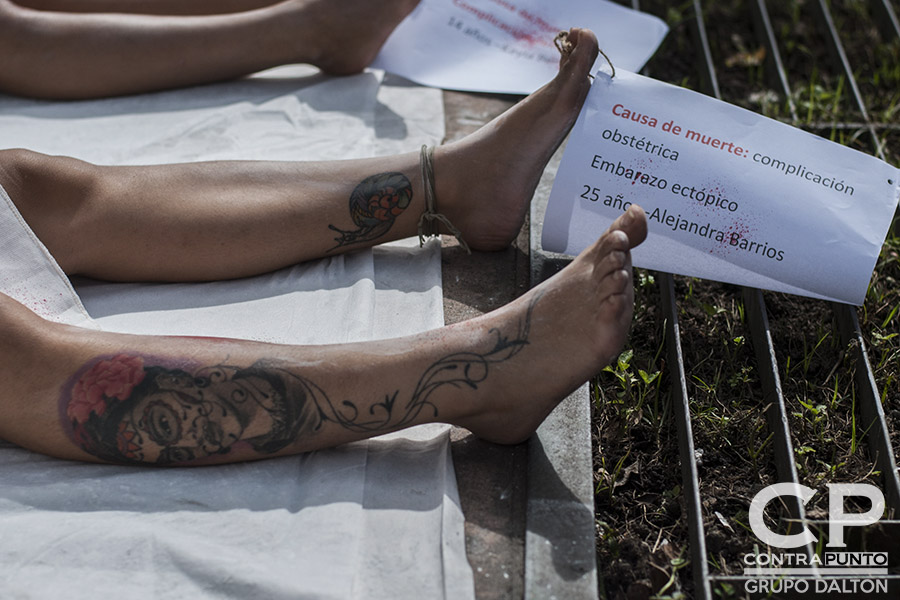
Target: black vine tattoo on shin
x=463, y=369
x=374, y=206
x=129, y=409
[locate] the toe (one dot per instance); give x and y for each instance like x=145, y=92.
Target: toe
x=584, y=52
x=634, y=224
x=611, y=262
x=614, y=284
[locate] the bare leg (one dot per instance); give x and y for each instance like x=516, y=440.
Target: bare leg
x=89, y=395
x=148, y=7
x=52, y=54
x=225, y=220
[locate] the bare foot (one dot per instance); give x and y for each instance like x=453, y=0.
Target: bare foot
x=571, y=326
x=484, y=182
x=349, y=34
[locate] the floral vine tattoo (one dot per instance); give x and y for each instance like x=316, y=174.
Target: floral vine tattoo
x=374, y=205
x=463, y=369
x=126, y=409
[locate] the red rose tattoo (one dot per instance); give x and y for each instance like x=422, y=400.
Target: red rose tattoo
x=374, y=205
x=107, y=381
x=129, y=409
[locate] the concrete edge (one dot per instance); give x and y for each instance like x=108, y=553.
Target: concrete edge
x=560, y=551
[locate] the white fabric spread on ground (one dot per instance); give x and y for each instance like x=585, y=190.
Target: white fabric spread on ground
x=375, y=519
x=30, y=275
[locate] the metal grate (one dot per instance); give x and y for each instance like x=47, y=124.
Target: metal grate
x=864, y=133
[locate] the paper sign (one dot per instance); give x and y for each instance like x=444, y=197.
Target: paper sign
x=730, y=195
x=506, y=46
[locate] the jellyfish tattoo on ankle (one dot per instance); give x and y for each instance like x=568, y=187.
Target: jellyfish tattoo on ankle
x=374, y=206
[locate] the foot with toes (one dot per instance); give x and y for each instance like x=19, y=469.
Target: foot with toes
x=575, y=323
x=484, y=182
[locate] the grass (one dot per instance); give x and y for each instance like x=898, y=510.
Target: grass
x=642, y=539
x=821, y=399
x=880, y=322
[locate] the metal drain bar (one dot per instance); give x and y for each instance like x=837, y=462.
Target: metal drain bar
x=868, y=399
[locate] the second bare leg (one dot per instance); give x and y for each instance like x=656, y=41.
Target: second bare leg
x=223, y=220
x=62, y=55
x=148, y=7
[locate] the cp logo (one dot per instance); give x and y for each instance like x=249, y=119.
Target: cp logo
x=837, y=520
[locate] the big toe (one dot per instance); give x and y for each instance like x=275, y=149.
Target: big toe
x=633, y=222
x=582, y=53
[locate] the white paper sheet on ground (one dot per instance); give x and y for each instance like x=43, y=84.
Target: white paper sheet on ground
x=730, y=195
x=324, y=525
x=506, y=46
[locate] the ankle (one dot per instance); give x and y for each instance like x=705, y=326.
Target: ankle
x=344, y=39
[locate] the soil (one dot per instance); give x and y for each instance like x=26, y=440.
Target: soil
x=727, y=408
x=638, y=500
x=817, y=383
x=812, y=73
x=891, y=144
x=875, y=68
x=676, y=59
x=737, y=51
x=878, y=326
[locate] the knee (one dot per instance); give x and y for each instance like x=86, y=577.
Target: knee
x=18, y=158
x=28, y=176
x=21, y=327
x=23, y=46
x=34, y=180
x=50, y=192
x=15, y=167
x=8, y=13
x=13, y=29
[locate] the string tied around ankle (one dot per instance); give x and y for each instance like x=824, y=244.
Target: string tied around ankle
x=429, y=222
x=566, y=47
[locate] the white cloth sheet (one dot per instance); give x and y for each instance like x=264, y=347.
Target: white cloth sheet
x=375, y=519
x=30, y=275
